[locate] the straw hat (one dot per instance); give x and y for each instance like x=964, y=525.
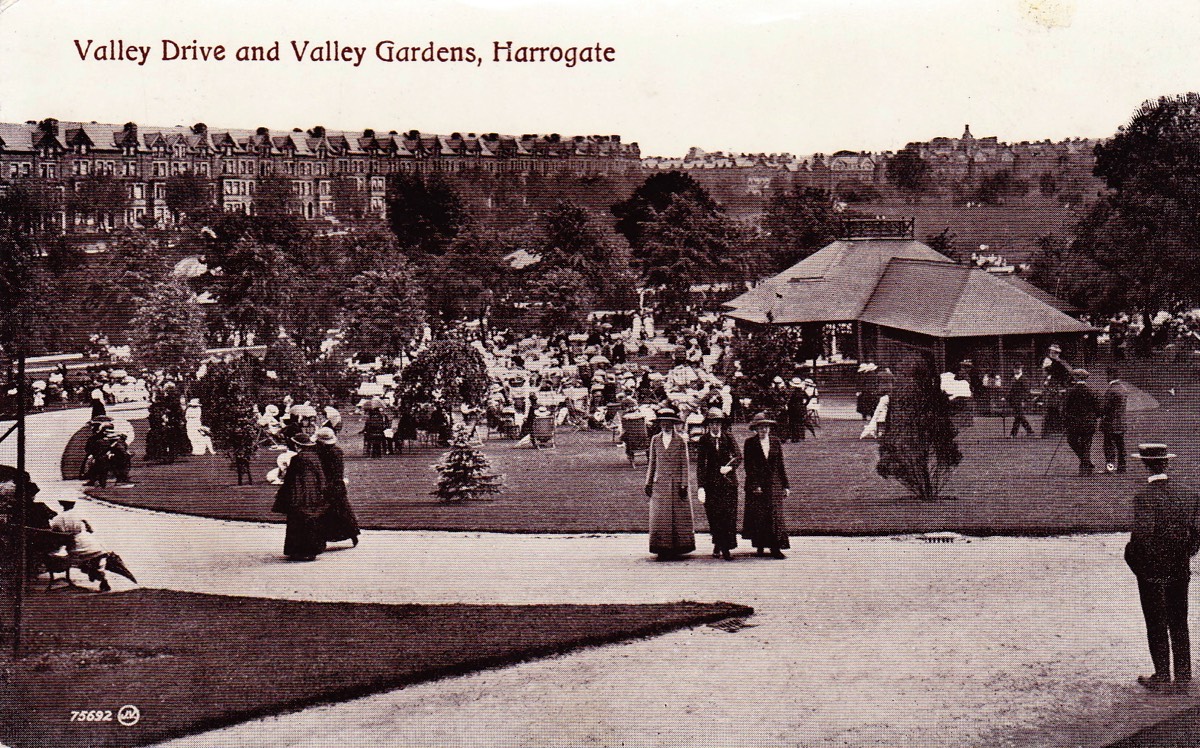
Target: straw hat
x=715, y=414
x=667, y=415
x=760, y=419
x=303, y=440
x=325, y=435
x=1152, y=452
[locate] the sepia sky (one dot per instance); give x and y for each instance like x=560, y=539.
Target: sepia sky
x=755, y=75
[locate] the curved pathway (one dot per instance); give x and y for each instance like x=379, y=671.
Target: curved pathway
x=863, y=641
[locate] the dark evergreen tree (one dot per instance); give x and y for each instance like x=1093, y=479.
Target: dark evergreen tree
x=919, y=446
x=464, y=472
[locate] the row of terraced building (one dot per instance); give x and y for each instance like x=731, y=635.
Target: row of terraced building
x=321, y=166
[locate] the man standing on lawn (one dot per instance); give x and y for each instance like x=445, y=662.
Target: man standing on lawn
x=1080, y=409
x=1165, y=536
x=1018, y=395
x=1112, y=422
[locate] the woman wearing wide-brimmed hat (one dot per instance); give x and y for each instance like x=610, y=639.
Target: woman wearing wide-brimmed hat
x=717, y=460
x=302, y=498
x=339, y=522
x=668, y=484
x=766, y=488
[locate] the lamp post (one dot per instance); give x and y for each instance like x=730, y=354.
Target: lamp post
x=19, y=516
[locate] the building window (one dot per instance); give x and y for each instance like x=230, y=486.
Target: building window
x=160, y=191
x=160, y=168
x=138, y=191
x=202, y=168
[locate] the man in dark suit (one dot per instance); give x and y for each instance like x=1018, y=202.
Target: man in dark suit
x=1080, y=409
x=1165, y=536
x=1112, y=422
x=1018, y=396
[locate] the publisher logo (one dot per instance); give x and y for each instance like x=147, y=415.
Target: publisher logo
x=129, y=715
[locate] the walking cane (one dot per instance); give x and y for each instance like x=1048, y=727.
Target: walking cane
x=1061, y=438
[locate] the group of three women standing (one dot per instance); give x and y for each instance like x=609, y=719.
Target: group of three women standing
x=669, y=487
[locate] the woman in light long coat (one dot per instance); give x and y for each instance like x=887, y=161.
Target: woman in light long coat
x=668, y=484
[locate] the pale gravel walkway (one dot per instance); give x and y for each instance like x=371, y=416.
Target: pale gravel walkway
x=864, y=641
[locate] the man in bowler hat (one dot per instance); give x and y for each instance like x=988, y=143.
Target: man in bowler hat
x=1080, y=409
x=1165, y=536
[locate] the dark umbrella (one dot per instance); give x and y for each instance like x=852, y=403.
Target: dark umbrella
x=117, y=566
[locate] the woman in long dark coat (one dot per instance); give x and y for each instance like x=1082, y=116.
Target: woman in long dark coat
x=339, y=522
x=668, y=474
x=766, y=487
x=302, y=498
x=717, y=459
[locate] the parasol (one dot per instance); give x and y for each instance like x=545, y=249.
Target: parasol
x=121, y=426
x=114, y=564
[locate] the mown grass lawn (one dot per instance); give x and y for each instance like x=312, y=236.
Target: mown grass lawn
x=193, y=662
x=1017, y=486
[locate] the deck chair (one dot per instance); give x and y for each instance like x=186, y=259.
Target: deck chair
x=635, y=436
x=542, y=432
x=612, y=412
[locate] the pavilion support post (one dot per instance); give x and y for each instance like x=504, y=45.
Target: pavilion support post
x=1000, y=349
x=858, y=337
x=939, y=352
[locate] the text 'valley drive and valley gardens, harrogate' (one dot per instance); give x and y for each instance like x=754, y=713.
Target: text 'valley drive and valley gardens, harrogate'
x=120, y=50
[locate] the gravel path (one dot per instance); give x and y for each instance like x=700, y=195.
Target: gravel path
x=863, y=641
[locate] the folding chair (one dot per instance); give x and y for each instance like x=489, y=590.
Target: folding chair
x=542, y=432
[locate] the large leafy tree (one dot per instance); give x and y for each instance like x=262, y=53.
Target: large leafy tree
x=563, y=298
x=765, y=354
x=452, y=367
x=190, y=197
x=796, y=223
x=99, y=196
x=424, y=211
x=1140, y=243
x=466, y=281
x=22, y=286
x=383, y=309
x=572, y=242
x=908, y=172
x=169, y=330
x=252, y=285
x=687, y=242
x=652, y=198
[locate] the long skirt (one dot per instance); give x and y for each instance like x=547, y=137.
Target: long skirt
x=672, y=526
x=339, y=522
x=764, y=525
x=720, y=505
x=303, y=536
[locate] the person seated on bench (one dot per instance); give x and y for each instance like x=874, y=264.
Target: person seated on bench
x=85, y=549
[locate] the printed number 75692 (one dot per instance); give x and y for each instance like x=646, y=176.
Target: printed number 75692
x=91, y=715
